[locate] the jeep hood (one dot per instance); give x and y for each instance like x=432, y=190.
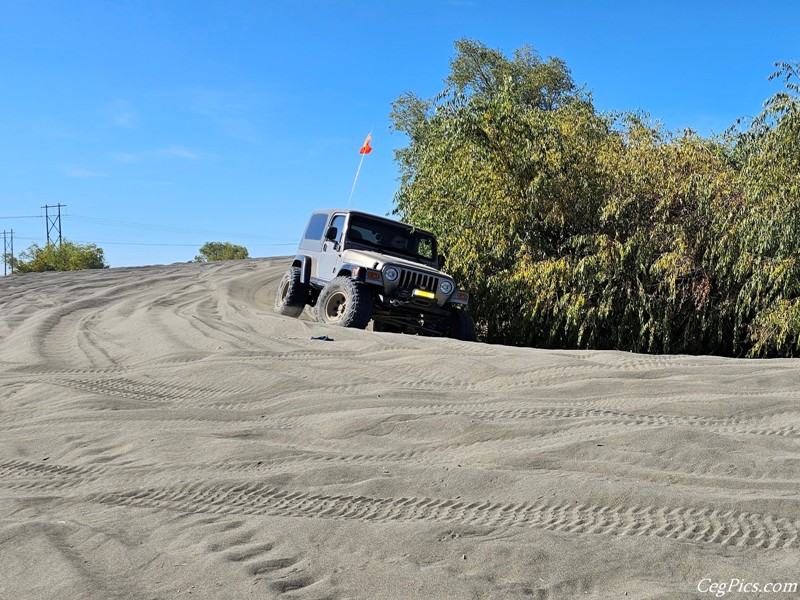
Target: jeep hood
x=367, y=258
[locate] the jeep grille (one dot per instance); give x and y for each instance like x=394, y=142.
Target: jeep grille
x=414, y=279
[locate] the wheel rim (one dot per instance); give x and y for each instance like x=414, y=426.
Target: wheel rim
x=335, y=306
x=284, y=291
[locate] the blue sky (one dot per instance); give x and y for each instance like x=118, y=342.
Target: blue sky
x=163, y=125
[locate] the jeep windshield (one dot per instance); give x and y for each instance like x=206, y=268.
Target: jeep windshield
x=392, y=239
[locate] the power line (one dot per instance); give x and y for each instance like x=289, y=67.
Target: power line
x=153, y=227
x=53, y=224
x=197, y=245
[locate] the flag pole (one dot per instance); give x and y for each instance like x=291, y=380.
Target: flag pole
x=353, y=189
x=365, y=149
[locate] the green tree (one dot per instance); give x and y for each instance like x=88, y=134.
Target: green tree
x=502, y=167
x=661, y=289
x=574, y=229
x=66, y=256
x=579, y=229
x=216, y=251
x=761, y=248
x=537, y=83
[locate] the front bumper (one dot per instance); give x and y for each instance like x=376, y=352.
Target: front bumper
x=411, y=287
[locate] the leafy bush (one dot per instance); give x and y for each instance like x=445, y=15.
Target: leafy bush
x=215, y=251
x=66, y=256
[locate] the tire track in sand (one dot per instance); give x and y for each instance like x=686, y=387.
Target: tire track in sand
x=703, y=525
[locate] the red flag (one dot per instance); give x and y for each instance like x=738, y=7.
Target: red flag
x=366, y=148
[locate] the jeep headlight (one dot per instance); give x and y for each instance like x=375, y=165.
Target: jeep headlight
x=446, y=287
x=391, y=274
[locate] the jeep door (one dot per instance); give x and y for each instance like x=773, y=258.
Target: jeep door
x=330, y=257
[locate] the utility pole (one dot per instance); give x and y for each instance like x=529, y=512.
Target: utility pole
x=53, y=222
x=8, y=251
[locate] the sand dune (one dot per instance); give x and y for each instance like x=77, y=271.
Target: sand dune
x=163, y=434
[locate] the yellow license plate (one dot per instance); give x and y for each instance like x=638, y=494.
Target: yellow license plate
x=423, y=294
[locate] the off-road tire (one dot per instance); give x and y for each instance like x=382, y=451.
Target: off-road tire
x=461, y=326
x=290, y=300
x=346, y=303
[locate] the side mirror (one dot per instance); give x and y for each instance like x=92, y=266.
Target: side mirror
x=331, y=233
x=441, y=260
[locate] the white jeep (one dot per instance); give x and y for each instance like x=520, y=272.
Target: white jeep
x=354, y=267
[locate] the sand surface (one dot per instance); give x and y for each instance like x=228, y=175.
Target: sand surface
x=163, y=434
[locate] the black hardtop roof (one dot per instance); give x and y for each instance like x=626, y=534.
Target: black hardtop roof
x=361, y=213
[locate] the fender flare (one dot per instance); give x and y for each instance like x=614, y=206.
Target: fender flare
x=304, y=262
x=348, y=269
